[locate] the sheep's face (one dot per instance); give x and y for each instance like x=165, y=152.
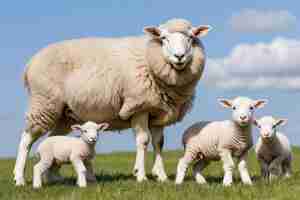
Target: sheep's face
x=177, y=47
x=242, y=109
x=89, y=131
x=268, y=126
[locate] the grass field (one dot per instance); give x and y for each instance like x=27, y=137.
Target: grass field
x=115, y=181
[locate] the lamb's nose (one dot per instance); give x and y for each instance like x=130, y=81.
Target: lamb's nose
x=243, y=117
x=179, y=56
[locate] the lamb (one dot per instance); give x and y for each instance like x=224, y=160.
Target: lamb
x=273, y=148
x=144, y=82
x=57, y=150
x=208, y=141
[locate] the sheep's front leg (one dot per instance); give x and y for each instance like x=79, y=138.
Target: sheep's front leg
x=243, y=169
x=80, y=170
x=90, y=175
x=139, y=123
x=197, y=169
x=228, y=166
x=157, y=143
x=39, y=169
x=275, y=167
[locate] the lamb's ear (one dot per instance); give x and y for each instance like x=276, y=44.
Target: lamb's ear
x=76, y=127
x=226, y=103
x=260, y=103
x=103, y=126
x=152, y=31
x=281, y=122
x=200, y=31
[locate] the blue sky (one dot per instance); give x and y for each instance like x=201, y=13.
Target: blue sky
x=253, y=43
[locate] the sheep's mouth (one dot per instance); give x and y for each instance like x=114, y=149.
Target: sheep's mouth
x=178, y=66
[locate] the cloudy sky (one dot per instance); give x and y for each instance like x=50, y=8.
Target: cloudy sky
x=253, y=50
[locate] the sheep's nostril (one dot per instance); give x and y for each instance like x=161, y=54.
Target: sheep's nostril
x=243, y=117
x=179, y=56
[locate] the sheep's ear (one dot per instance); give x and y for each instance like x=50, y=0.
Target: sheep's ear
x=260, y=103
x=152, y=31
x=103, y=126
x=200, y=31
x=76, y=127
x=281, y=122
x=226, y=103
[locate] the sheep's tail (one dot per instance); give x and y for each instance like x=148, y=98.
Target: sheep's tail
x=25, y=79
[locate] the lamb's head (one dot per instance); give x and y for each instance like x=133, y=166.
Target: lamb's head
x=242, y=109
x=268, y=126
x=89, y=131
x=176, y=37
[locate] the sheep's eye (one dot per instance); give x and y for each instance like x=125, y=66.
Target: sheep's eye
x=274, y=126
x=234, y=108
x=251, y=108
x=163, y=37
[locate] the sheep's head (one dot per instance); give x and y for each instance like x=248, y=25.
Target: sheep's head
x=268, y=126
x=89, y=131
x=242, y=109
x=177, y=37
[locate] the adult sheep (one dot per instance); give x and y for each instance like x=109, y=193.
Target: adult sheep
x=132, y=82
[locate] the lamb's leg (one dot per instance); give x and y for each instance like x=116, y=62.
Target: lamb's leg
x=197, y=169
x=90, y=175
x=157, y=143
x=287, y=168
x=80, y=170
x=275, y=167
x=53, y=174
x=243, y=169
x=39, y=169
x=182, y=166
x=264, y=169
x=228, y=166
x=139, y=123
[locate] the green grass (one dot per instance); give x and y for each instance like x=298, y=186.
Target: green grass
x=115, y=181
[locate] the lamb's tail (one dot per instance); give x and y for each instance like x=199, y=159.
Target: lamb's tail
x=25, y=79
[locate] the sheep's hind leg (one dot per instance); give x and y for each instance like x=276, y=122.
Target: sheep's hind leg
x=287, y=169
x=197, y=169
x=39, y=169
x=157, y=143
x=41, y=117
x=52, y=175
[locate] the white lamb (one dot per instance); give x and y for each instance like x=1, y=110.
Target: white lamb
x=57, y=150
x=220, y=140
x=273, y=148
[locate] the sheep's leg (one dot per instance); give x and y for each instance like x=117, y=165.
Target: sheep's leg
x=90, y=175
x=228, y=166
x=197, y=169
x=264, y=168
x=182, y=167
x=139, y=123
x=27, y=139
x=243, y=170
x=287, y=168
x=39, y=120
x=53, y=174
x=80, y=170
x=275, y=167
x=39, y=169
x=157, y=143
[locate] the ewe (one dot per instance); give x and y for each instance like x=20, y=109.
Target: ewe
x=273, y=148
x=220, y=140
x=143, y=82
x=57, y=150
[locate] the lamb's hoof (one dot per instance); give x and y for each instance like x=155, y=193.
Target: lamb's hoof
x=19, y=181
x=160, y=176
x=201, y=181
x=141, y=178
x=248, y=183
x=227, y=184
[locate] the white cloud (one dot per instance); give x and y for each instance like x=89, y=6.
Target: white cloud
x=261, y=65
x=251, y=20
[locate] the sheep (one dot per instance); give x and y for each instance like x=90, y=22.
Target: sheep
x=57, y=150
x=144, y=82
x=208, y=141
x=273, y=149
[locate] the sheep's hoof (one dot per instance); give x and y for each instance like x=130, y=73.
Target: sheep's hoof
x=20, y=181
x=160, y=176
x=141, y=179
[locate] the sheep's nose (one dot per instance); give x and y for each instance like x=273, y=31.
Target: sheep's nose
x=265, y=134
x=179, y=56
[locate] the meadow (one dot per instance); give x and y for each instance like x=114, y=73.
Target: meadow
x=115, y=181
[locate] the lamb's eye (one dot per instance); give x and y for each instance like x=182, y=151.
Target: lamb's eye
x=233, y=108
x=163, y=37
x=251, y=108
